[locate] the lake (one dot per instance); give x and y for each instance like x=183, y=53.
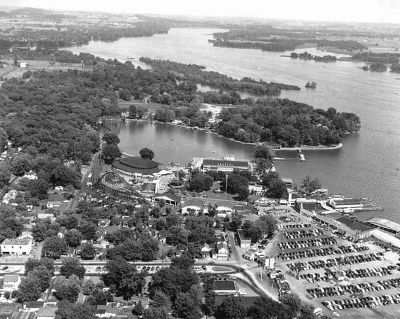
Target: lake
x=368, y=165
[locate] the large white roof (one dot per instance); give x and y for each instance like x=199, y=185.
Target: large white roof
x=385, y=223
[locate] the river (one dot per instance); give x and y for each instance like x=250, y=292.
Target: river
x=368, y=165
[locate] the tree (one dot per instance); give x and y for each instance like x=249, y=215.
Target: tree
x=186, y=307
x=110, y=153
x=266, y=308
x=262, y=165
x=209, y=306
x=200, y=182
x=138, y=310
x=62, y=175
x=39, y=231
x=277, y=189
x=88, y=252
x=73, y=238
x=88, y=229
x=177, y=235
x=67, y=310
x=88, y=287
x=267, y=224
x=7, y=295
x=72, y=266
x=179, y=277
x=268, y=178
x=5, y=174
x=111, y=138
x=38, y=188
x=21, y=164
x=161, y=300
x=43, y=275
x=250, y=230
x=230, y=309
x=292, y=302
x=31, y=264
x=146, y=153
x=131, y=284
x=67, y=289
x=156, y=313
x=3, y=139
x=235, y=222
x=93, y=137
x=54, y=247
x=263, y=152
x=310, y=185
x=29, y=289
x=123, y=278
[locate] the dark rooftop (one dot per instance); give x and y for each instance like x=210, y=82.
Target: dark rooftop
x=224, y=285
x=136, y=164
x=354, y=224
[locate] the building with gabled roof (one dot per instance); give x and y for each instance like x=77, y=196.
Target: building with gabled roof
x=17, y=246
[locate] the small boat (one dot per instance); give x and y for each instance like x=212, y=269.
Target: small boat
x=311, y=85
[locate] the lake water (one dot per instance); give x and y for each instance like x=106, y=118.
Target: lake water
x=367, y=166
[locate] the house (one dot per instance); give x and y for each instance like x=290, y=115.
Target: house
x=224, y=287
x=47, y=313
x=169, y=198
x=223, y=210
x=45, y=216
x=33, y=306
x=59, y=188
x=27, y=233
x=250, y=254
x=222, y=250
x=206, y=251
x=29, y=208
x=31, y=175
x=11, y=282
x=55, y=204
x=255, y=189
x=193, y=205
x=12, y=194
x=244, y=242
x=17, y=246
x=106, y=311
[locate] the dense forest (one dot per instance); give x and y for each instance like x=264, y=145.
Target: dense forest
x=268, y=38
x=379, y=62
x=197, y=74
x=308, y=56
x=286, y=122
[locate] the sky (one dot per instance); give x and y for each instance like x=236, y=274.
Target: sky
x=381, y=11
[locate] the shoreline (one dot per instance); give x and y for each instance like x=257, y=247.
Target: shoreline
x=298, y=148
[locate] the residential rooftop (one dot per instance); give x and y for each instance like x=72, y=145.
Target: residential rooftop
x=17, y=241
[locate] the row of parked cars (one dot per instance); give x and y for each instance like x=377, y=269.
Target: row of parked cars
x=307, y=243
x=303, y=233
x=333, y=262
x=362, y=302
x=361, y=288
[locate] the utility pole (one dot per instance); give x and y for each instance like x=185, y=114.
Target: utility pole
x=226, y=184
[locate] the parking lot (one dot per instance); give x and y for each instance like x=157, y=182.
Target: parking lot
x=339, y=276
